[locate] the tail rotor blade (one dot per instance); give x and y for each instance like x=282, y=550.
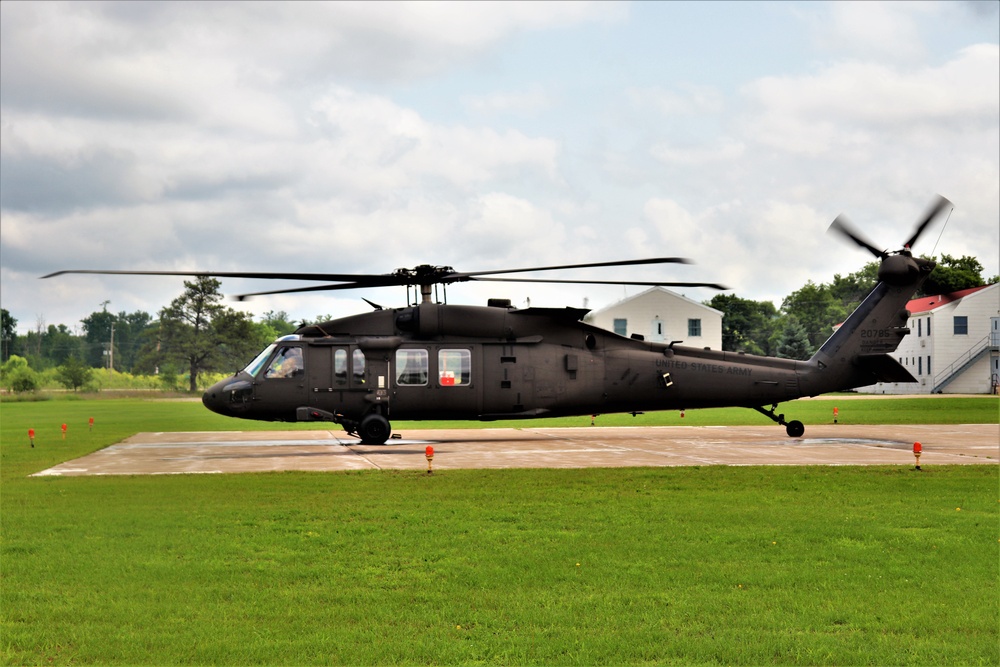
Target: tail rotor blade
x=842, y=226
x=935, y=209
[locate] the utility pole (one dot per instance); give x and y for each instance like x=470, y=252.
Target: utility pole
x=111, y=346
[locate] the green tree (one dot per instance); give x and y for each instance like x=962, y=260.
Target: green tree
x=747, y=325
x=8, y=334
x=279, y=323
x=97, y=332
x=815, y=308
x=17, y=375
x=240, y=339
x=201, y=334
x=953, y=274
x=59, y=344
x=74, y=374
x=131, y=332
x=793, y=341
x=852, y=289
x=127, y=330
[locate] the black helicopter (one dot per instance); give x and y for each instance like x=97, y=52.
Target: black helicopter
x=431, y=360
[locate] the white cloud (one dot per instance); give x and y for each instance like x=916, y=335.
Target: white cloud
x=525, y=102
x=335, y=137
x=853, y=106
x=872, y=29
x=724, y=149
x=727, y=241
x=686, y=100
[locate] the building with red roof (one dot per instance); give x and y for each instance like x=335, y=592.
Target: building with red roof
x=953, y=346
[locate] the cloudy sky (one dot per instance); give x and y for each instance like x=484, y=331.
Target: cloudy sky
x=360, y=138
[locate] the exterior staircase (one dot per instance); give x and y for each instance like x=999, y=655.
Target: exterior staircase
x=988, y=344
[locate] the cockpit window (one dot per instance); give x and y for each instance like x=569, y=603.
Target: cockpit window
x=286, y=364
x=254, y=366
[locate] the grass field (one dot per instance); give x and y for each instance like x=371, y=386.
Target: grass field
x=712, y=565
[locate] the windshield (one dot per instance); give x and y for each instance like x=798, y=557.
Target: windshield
x=259, y=360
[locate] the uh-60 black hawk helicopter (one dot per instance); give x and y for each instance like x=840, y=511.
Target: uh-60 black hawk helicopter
x=436, y=361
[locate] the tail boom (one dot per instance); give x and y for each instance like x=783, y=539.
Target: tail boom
x=857, y=354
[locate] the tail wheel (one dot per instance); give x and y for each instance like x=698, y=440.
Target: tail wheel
x=374, y=429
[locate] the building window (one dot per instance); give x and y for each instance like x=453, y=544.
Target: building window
x=694, y=328
x=961, y=325
x=929, y=365
x=920, y=365
x=928, y=326
x=621, y=326
x=454, y=368
x=920, y=328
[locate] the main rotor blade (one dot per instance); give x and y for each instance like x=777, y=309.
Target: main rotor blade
x=656, y=283
x=325, y=277
x=628, y=262
x=842, y=226
x=319, y=288
x=932, y=212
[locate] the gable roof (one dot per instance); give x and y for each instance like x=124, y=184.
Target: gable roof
x=929, y=303
x=647, y=292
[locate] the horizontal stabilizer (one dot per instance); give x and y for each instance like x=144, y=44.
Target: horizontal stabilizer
x=884, y=368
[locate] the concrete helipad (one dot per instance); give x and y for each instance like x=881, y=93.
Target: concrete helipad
x=594, y=447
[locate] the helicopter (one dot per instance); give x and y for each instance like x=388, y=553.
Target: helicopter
x=433, y=360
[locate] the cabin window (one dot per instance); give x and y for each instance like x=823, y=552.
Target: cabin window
x=358, y=359
x=411, y=367
x=287, y=363
x=694, y=327
x=961, y=325
x=621, y=326
x=454, y=368
x=340, y=366
x=254, y=366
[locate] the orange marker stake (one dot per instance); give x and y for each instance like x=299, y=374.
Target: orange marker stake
x=836, y=413
x=64, y=431
x=91, y=423
x=917, y=449
x=31, y=436
x=429, y=453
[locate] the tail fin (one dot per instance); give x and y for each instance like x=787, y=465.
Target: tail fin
x=857, y=354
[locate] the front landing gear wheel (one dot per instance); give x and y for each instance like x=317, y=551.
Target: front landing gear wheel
x=795, y=429
x=374, y=429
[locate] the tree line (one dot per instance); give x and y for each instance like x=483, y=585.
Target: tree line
x=808, y=315
x=197, y=334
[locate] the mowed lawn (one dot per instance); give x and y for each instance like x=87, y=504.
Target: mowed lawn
x=709, y=565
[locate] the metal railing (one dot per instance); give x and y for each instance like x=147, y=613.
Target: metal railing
x=977, y=348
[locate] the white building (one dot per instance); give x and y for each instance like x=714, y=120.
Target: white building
x=662, y=316
x=953, y=346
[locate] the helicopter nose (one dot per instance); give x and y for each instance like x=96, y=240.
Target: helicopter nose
x=228, y=397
